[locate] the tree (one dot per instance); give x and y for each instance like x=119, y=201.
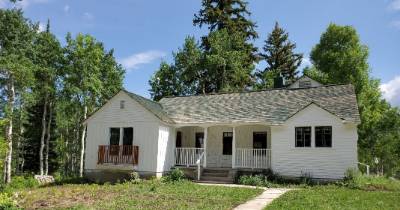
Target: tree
x=87, y=71
x=48, y=58
x=280, y=58
x=341, y=56
x=226, y=14
x=165, y=82
x=16, y=35
x=233, y=16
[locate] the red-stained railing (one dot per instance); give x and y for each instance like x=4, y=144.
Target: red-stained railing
x=118, y=154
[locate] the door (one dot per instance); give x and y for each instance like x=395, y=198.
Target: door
x=226, y=155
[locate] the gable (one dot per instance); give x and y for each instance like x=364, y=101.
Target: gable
x=312, y=114
x=304, y=82
x=132, y=111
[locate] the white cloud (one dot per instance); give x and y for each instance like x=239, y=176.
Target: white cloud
x=88, y=16
x=66, y=8
x=135, y=60
x=391, y=91
x=394, y=5
x=306, y=61
x=25, y=3
x=42, y=27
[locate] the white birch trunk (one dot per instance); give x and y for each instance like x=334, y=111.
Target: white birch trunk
x=83, y=143
x=46, y=156
x=9, y=130
x=42, y=136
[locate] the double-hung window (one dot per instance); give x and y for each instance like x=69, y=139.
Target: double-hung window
x=323, y=136
x=303, y=136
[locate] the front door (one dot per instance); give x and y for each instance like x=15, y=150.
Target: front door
x=226, y=156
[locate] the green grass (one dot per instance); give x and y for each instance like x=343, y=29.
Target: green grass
x=146, y=195
x=336, y=197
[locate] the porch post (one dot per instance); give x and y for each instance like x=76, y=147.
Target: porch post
x=205, y=146
x=233, y=147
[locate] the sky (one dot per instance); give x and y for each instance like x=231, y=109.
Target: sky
x=145, y=32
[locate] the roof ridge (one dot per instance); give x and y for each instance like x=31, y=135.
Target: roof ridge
x=256, y=91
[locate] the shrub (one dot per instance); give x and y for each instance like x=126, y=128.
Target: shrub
x=6, y=202
x=255, y=180
x=352, y=178
x=134, y=177
x=20, y=182
x=176, y=175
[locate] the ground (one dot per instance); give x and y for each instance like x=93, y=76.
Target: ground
x=146, y=195
x=365, y=193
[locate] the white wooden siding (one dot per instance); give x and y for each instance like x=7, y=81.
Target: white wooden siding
x=145, y=131
x=166, y=148
x=331, y=163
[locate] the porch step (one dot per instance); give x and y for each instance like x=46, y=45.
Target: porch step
x=212, y=174
x=216, y=179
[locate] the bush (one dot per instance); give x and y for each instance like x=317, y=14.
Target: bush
x=254, y=180
x=176, y=175
x=6, y=202
x=134, y=177
x=20, y=182
x=352, y=178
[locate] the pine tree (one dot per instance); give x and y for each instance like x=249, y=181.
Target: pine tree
x=280, y=58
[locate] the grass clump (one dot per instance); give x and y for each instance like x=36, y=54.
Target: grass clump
x=176, y=175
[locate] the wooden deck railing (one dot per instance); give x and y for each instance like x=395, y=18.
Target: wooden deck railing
x=188, y=156
x=118, y=154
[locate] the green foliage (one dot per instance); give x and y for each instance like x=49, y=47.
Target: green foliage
x=280, y=58
x=134, y=177
x=256, y=180
x=19, y=183
x=175, y=175
x=165, y=82
x=7, y=202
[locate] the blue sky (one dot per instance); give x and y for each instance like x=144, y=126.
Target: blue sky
x=145, y=32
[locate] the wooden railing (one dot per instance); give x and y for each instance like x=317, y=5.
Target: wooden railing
x=188, y=156
x=253, y=158
x=118, y=154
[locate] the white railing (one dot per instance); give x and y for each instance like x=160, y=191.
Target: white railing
x=188, y=156
x=198, y=162
x=253, y=158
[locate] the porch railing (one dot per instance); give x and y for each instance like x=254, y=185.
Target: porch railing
x=188, y=156
x=118, y=154
x=253, y=158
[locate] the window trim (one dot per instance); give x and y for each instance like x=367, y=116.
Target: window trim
x=315, y=134
x=295, y=137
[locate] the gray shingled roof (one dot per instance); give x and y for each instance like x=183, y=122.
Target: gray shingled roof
x=152, y=106
x=273, y=106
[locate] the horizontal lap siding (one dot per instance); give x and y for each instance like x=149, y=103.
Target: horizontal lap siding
x=330, y=163
x=145, y=130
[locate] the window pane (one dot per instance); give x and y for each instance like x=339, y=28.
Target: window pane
x=323, y=136
x=114, y=136
x=303, y=137
x=128, y=136
x=260, y=140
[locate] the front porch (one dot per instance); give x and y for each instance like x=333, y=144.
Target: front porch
x=245, y=147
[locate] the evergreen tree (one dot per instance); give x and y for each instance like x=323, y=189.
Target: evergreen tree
x=280, y=58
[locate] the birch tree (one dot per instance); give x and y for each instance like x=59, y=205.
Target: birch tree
x=16, y=35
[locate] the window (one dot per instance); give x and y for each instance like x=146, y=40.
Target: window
x=122, y=104
x=304, y=84
x=323, y=136
x=227, y=143
x=303, y=136
x=199, y=140
x=260, y=140
x=114, y=141
x=128, y=136
x=178, y=139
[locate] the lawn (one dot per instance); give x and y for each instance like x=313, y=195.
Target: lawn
x=365, y=193
x=145, y=195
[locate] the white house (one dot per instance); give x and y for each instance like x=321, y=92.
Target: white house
x=304, y=129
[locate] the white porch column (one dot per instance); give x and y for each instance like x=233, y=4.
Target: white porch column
x=205, y=146
x=234, y=147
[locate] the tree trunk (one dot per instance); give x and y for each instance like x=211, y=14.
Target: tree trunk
x=46, y=157
x=9, y=129
x=43, y=134
x=83, y=142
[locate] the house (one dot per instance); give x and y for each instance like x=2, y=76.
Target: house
x=306, y=129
